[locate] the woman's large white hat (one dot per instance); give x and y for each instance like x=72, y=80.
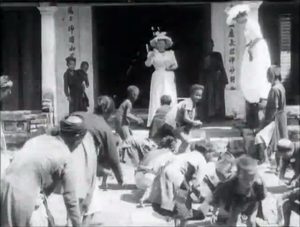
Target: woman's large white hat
x=236, y=11
x=161, y=36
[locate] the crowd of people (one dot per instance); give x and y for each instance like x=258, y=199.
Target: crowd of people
x=171, y=171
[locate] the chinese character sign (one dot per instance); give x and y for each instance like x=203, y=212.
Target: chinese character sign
x=231, y=54
x=71, y=28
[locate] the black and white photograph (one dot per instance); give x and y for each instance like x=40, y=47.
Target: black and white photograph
x=104, y=104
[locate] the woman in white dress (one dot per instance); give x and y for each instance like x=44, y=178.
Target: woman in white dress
x=163, y=78
x=256, y=61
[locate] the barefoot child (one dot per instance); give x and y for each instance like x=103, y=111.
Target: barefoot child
x=171, y=191
x=287, y=203
x=124, y=116
x=181, y=118
x=151, y=164
x=157, y=128
x=217, y=172
x=82, y=73
x=289, y=153
x=241, y=194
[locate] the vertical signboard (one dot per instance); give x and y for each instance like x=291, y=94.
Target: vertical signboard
x=285, y=45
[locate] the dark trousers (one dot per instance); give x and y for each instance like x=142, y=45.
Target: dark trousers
x=252, y=118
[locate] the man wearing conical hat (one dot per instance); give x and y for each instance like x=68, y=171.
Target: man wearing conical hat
x=256, y=61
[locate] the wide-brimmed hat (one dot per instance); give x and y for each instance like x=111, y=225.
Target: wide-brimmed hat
x=234, y=12
x=161, y=36
x=5, y=82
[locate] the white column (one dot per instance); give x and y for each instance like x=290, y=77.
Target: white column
x=234, y=100
x=86, y=48
x=48, y=53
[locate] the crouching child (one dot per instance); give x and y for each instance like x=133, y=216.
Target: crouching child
x=181, y=118
x=241, y=194
x=177, y=181
x=151, y=164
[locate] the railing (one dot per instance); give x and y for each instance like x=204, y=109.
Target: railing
x=18, y=125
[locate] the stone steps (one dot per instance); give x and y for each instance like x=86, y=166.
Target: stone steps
x=225, y=133
x=234, y=144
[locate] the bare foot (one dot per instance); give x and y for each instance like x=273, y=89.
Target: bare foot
x=104, y=187
x=141, y=204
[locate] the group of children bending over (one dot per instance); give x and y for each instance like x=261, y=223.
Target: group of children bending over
x=176, y=121
x=171, y=182
x=171, y=177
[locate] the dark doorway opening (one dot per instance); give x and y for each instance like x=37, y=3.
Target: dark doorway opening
x=21, y=56
x=122, y=32
x=269, y=15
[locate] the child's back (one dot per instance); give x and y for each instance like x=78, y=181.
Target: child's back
x=121, y=114
x=158, y=122
x=124, y=115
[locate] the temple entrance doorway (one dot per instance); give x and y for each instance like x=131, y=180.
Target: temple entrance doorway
x=21, y=56
x=122, y=32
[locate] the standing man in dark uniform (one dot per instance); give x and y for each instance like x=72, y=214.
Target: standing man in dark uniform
x=213, y=77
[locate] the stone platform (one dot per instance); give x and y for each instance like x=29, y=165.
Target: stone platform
x=118, y=206
x=225, y=134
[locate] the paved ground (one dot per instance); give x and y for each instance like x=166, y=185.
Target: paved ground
x=119, y=206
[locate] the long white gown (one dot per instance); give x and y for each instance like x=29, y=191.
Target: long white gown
x=162, y=81
x=253, y=81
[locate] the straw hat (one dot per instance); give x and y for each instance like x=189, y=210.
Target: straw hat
x=234, y=12
x=161, y=36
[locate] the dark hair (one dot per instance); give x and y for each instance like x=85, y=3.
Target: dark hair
x=104, y=104
x=69, y=59
x=167, y=142
x=165, y=100
x=196, y=87
x=132, y=90
x=274, y=72
x=84, y=63
x=203, y=146
x=245, y=162
x=226, y=157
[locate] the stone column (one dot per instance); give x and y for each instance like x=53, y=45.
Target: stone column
x=234, y=100
x=48, y=54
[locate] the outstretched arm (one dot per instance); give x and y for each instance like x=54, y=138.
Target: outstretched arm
x=129, y=114
x=283, y=168
x=70, y=197
x=113, y=156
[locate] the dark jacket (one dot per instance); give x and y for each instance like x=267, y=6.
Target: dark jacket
x=105, y=140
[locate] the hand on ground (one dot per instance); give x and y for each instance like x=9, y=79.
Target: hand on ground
x=140, y=121
x=197, y=123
